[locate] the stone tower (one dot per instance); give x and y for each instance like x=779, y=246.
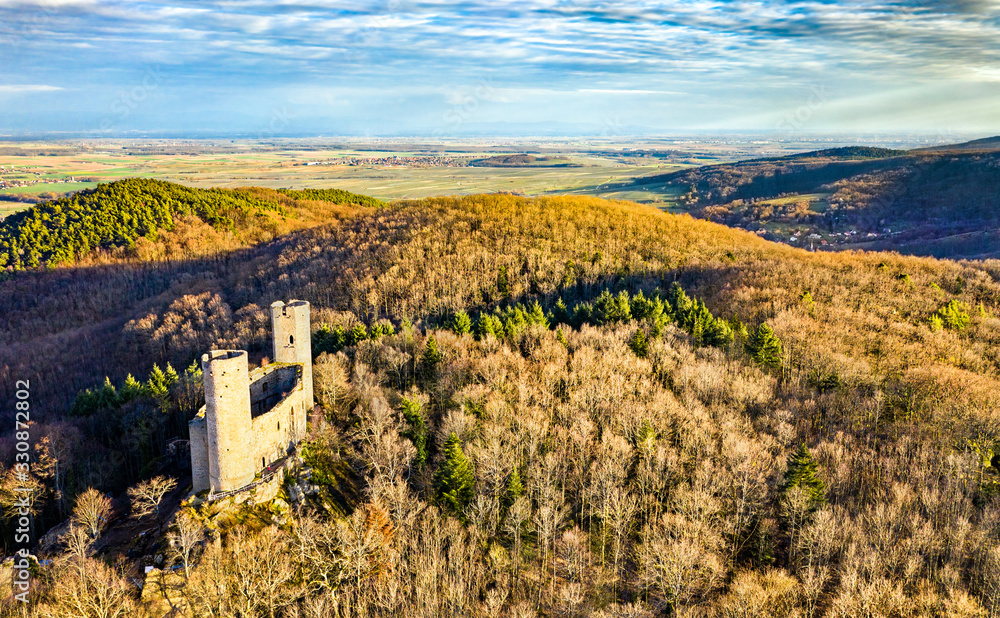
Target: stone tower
x=252, y=420
x=227, y=417
x=293, y=340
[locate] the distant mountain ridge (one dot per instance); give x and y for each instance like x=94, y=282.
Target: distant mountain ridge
x=986, y=143
x=922, y=202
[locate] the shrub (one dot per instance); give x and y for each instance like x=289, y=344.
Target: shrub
x=954, y=315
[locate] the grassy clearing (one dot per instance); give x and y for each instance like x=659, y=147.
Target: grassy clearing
x=9, y=208
x=798, y=197
x=55, y=187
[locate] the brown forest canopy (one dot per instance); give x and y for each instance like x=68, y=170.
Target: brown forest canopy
x=832, y=455
x=426, y=259
x=920, y=195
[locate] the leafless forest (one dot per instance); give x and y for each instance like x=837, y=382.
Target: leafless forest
x=617, y=467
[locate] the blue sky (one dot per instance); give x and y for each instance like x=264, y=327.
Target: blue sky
x=299, y=67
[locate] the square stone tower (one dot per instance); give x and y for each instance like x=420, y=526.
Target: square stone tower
x=293, y=339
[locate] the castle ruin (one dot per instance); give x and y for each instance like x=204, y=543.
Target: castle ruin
x=252, y=419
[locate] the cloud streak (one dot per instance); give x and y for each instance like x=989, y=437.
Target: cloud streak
x=643, y=57
x=26, y=88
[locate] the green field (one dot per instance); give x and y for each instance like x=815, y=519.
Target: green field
x=803, y=197
x=9, y=208
x=399, y=182
x=54, y=187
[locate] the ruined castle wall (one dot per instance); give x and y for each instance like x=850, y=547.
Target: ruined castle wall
x=275, y=425
x=227, y=417
x=274, y=432
x=252, y=419
x=271, y=384
x=198, y=440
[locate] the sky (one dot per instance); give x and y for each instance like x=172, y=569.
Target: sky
x=478, y=67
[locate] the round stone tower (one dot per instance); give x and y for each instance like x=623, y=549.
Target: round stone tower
x=293, y=341
x=227, y=417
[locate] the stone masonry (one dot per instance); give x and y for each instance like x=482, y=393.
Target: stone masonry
x=253, y=418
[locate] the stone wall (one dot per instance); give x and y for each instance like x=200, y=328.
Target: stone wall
x=253, y=418
x=199, y=453
x=277, y=431
x=271, y=384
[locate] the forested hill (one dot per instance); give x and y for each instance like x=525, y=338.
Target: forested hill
x=984, y=144
x=849, y=152
x=943, y=202
x=538, y=407
x=116, y=215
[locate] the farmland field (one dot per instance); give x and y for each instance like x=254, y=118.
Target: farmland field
x=387, y=169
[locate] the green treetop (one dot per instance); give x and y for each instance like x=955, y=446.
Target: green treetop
x=764, y=347
x=454, y=480
x=801, y=473
x=461, y=324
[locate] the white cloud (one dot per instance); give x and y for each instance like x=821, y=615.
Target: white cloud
x=26, y=88
x=755, y=56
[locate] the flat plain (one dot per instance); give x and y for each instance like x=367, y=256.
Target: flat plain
x=389, y=169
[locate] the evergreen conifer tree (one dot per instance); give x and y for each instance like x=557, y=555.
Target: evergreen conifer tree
x=131, y=389
x=739, y=329
x=717, y=333
x=484, y=326
x=417, y=432
x=954, y=315
x=171, y=375
x=382, y=329
x=679, y=302
x=801, y=473
x=808, y=302
x=108, y=395
x=640, y=306
x=764, y=347
x=515, y=488
x=582, y=314
x=357, y=334
x=461, y=324
x=503, y=283
x=156, y=385
x=430, y=358
x=560, y=315
x=454, y=480
x=639, y=344
x=536, y=315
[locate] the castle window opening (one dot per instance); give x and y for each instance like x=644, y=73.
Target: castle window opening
x=291, y=339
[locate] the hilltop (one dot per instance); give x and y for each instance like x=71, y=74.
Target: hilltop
x=549, y=405
x=941, y=201
x=147, y=218
x=984, y=144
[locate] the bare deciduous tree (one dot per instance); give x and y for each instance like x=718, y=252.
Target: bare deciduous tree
x=147, y=496
x=92, y=511
x=185, y=539
x=98, y=590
